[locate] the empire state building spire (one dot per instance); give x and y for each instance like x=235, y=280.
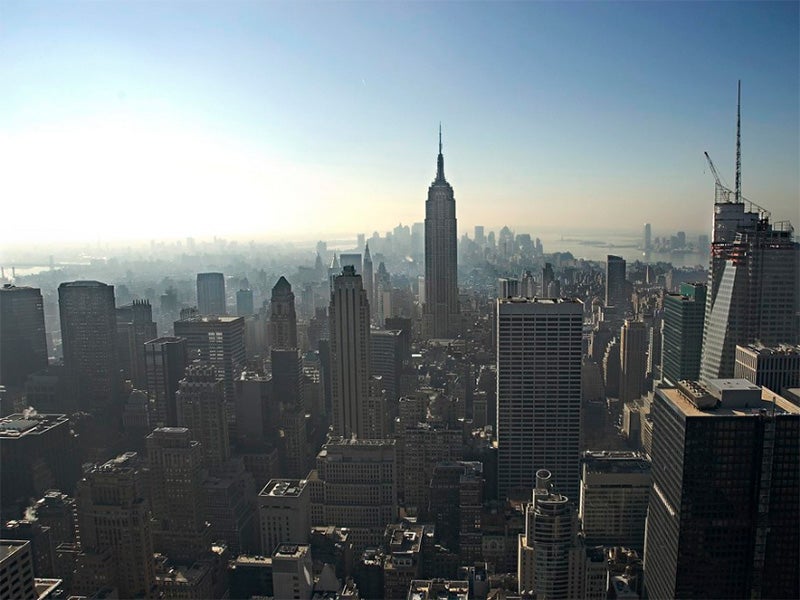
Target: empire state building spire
x=440, y=161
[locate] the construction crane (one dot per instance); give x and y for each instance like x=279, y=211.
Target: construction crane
x=721, y=192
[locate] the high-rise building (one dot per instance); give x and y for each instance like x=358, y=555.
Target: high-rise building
x=369, y=277
x=211, y=294
x=647, y=241
x=548, y=277
x=387, y=359
x=244, y=303
x=550, y=556
x=114, y=518
x=282, y=316
x=23, y=345
x=351, y=259
x=284, y=513
x=633, y=360
x=775, y=367
x=355, y=486
x=682, y=333
x=292, y=571
x=350, y=354
x=538, y=392
x=616, y=285
x=16, y=570
x=165, y=360
x=218, y=341
x=441, y=318
x=89, y=338
x=615, y=488
x=135, y=326
x=201, y=408
x=753, y=291
x=724, y=517
x=175, y=461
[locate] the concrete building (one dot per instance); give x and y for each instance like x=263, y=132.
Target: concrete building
x=455, y=506
x=550, y=556
x=292, y=572
x=387, y=359
x=282, y=316
x=231, y=509
x=211, y=294
x=424, y=446
x=404, y=556
x=368, y=278
x=89, y=338
x=114, y=522
x=774, y=367
x=355, y=486
x=36, y=454
x=218, y=341
x=538, y=392
x=723, y=517
x=284, y=508
x=433, y=589
x=23, y=344
x=615, y=489
x=441, y=314
x=350, y=355
x=175, y=461
x=135, y=326
x=16, y=570
x=201, y=409
x=682, y=333
x=165, y=361
x=633, y=360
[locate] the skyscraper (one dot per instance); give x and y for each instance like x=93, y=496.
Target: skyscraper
x=176, y=477
x=616, y=295
x=201, y=409
x=114, y=519
x=219, y=341
x=211, y=293
x=754, y=292
x=724, y=516
x=282, y=316
x=135, y=326
x=633, y=360
x=647, y=242
x=23, y=346
x=165, y=360
x=369, y=277
x=538, y=392
x=89, y=337
x=244, y=303
x=441, y=318
x=682, y=333
x=753, y=280
x=350, y=354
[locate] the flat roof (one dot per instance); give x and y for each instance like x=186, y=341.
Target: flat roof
x=22, y=424
x=768, y=401
x=284, y=488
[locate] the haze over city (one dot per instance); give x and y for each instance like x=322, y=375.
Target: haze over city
x=133, y=120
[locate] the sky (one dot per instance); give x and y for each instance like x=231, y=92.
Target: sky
x=301, y=120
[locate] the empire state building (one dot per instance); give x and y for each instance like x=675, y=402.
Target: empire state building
x=441, y=317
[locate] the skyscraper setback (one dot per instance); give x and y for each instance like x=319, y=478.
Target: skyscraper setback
x=441, y=318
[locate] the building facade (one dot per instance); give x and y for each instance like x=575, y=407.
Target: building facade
x=682, y=333
x=23, y=344
x=538, y=392
x=211, y=294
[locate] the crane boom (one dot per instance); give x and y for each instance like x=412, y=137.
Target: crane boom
x=722, y=192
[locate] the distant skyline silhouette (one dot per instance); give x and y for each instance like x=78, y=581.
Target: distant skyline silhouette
x=301, y=120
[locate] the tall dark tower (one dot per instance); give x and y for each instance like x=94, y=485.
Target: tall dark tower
x=283, y=318
x=89, y=337
x=23, y=345
x=441, y=312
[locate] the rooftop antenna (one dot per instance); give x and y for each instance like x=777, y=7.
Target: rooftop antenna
x=440, y=137
x=738, y=184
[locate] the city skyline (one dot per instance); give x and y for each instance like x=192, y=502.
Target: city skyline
x=285, y=113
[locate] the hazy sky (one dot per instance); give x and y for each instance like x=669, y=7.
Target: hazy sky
x=167, y=119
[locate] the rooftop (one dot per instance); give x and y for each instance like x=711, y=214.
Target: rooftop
x=779, y=350
x=29, y=423
x=766, y=402
x=284, y=488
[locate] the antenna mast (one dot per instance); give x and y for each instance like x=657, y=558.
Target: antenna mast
x=738, y=184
